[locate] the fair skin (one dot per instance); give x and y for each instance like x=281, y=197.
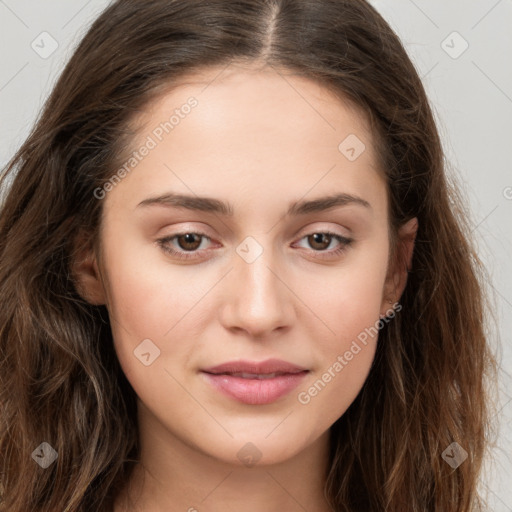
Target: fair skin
x=258, y=140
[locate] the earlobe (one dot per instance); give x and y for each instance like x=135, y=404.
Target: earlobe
x=397, y=276
x=85, y=272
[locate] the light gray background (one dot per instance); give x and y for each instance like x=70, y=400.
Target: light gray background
x=471, y=94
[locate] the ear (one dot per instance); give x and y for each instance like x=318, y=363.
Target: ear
x=85, y=272
x=397, y=272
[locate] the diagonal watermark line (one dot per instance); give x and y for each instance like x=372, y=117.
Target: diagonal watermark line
x=221, y=482
x=496, y=415
x=76, y=14
x=199, y=403
x=216, y=216
x=492, y=492
x=198, y=302
x=310, y=189
x=502, y=296
x=483, y=220
x=286, y=491
x=216, y=76
x=502, y=407
x=112, y=318
x=486, y=14
x=301, y=301
x=492, y=81
x=278, y=424
x=110, y=310
x=3, y=3
x=505, y=371
x=13, y=77
x=429, y=71
x=424, y=13
x=303, y=97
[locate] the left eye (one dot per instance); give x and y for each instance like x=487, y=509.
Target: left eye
x=189, y=243
x=318, y=239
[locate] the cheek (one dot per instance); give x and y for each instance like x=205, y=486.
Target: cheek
x=331, y=390
x=146, y=300
x=147, y=296
x=348, y=298
x=345, y=355
x=153, y=299
x=349, y=305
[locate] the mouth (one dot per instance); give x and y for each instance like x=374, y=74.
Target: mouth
x=261, y=376
x=255, y=383
x=267, y=367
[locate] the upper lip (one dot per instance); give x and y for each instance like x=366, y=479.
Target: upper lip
x=255, y=367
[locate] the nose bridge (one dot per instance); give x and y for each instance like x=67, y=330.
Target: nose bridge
x=258, y=300
x=253, y=269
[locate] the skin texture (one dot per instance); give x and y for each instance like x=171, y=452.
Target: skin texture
x=258, y=139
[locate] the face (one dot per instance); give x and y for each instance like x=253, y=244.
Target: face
x=254, y=268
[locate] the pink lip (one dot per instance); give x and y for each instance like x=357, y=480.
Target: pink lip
x=255, y=391
x=261, y=367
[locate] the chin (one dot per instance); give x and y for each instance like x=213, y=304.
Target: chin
x=257, y=448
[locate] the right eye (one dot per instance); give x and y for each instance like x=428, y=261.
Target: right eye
x=187, y=240
x=318, y=237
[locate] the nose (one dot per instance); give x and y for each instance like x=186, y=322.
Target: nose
x=258, y=299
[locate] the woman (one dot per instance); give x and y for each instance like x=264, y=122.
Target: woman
x=233, y=274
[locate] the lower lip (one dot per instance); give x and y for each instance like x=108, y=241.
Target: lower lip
x=255, y=391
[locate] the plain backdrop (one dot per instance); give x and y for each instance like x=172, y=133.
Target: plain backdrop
x=460, y=48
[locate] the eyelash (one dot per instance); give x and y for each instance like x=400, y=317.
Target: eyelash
x=182, y=255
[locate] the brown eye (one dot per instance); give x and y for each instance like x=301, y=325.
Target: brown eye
x=189, y=241
x=320, y=244
x=319, y=241
x=183, y=245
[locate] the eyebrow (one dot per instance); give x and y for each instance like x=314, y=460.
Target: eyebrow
x=211, y=205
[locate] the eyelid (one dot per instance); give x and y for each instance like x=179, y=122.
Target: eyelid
x=344, y=243
x=319, y=228
x=300, y=235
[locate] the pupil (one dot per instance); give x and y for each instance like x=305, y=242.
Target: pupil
x=317, y=238
x=189, y=239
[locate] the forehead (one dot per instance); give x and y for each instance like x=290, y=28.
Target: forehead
x=252, y=130
x=256, y=98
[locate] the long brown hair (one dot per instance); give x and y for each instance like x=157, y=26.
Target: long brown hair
x=60, y=380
